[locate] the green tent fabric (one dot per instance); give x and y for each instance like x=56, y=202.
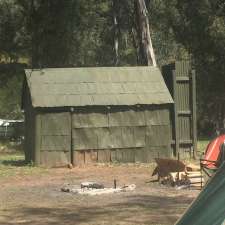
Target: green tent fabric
x=209, y=206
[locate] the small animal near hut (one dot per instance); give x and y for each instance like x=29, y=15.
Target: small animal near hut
x=176, y=172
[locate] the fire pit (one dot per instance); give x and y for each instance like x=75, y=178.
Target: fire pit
x=94, y=188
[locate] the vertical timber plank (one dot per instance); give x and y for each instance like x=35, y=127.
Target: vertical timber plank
x=90, y=156
x=128, y=155
x=87, y=157
x=71, y=139
x=94, y=156
x=119, y=155
x=113, y=156
x=79, y=158
x=140, y=155
x=175, y=113
x=194, y=117
x=104, y=156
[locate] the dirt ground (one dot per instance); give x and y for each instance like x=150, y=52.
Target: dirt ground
x=36, y=198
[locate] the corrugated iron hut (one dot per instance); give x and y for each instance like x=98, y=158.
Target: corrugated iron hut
x=84, y=115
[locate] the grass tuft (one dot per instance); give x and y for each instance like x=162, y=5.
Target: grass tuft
x=13, y=164
x=202, y=145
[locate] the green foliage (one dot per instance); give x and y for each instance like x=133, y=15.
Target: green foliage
x=56, y=33
x=200, y=28
x=11, y=78
x=80, y=33
x=202, y=145
x=10, y=97
x=167, y=49
x=13, y=164
x=196, y=28
x=92, y=42
x=11, y=31
x=49, y=26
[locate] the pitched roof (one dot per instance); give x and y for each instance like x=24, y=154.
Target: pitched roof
x=97, y=86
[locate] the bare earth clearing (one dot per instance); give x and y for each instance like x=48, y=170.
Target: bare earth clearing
x=35, y=198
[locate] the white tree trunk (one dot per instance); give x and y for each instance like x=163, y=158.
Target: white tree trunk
x=116, y=31
x=146, y=48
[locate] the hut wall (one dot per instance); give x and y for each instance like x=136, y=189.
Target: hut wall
x=121, y=134
x=101, y=134
x=53, y=139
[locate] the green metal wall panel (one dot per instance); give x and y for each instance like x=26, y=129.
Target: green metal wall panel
x=55, y=124
x=55, y=158
x=161, y=151
x=55, y=143
x=108, y=138
x=90, y=119
x=184, y=126
x=180, y=79
x=139, y=136
x=183, y=96
x=61, y=139
x=104, y=139
x=128, y=131
x=54, y=137
x=158, y=135
x=126, y=118
x=157, y=117
x=85, y=138
x=128, y=137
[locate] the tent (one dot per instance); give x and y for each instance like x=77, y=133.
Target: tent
x=209, y=206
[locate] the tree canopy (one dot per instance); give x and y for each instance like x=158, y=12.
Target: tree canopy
x=55, y=33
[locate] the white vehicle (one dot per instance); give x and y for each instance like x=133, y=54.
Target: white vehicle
x=11, y=129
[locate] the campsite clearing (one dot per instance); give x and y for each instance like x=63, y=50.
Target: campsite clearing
x=32, y=195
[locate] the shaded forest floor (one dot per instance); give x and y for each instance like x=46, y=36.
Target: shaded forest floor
x=32, y=195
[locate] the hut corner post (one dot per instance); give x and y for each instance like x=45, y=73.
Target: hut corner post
x=37, y=156
x=194, y=117
x=177, y=145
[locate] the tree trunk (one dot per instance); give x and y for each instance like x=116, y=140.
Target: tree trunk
x=116, y=31
x=135, y=44
x=35, y=48
x=147, y=56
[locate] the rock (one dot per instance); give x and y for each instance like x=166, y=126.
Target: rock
x=70, y=166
